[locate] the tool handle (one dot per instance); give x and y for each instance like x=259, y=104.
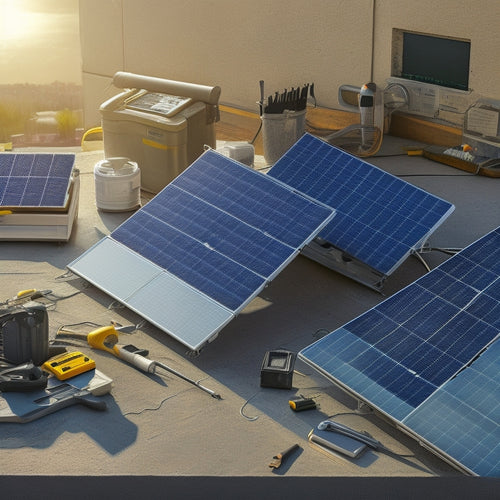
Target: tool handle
x=23, y=378
x=14, y=384
x=127, y=354
x=288, y=451
x=278, y=459
x=93, y=404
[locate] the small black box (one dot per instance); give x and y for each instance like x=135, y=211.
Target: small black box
x=277, y=369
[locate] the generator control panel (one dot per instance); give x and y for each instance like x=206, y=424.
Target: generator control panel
x=162, y=104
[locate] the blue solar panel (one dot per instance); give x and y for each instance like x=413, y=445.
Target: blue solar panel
x=221, y=229
x=237, y=233
x=35, y=180
x=414, y=356
x=380, y=218
x=462, y=417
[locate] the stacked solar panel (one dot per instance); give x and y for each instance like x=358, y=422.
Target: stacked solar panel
x=35, y=180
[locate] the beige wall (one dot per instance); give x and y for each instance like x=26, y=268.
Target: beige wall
x=476, y=20
x=236, y=43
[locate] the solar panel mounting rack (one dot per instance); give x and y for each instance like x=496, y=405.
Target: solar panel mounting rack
x=380, y=219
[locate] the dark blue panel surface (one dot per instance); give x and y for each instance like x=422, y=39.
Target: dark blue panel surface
x=380, y=218
x=462, y=418
x=190, y=260
x=35, y=180
x=218, y=230
x=271, y=208
x=223, y=228
x=403, y=356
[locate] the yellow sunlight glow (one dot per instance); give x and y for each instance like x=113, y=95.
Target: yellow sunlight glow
x=16, y=23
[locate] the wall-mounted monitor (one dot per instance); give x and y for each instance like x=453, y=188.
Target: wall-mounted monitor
x=431, y=59
x=435, y=72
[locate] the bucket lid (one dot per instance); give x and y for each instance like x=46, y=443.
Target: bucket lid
x=114, y=167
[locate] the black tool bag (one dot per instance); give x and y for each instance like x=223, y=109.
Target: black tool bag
x=24, y=334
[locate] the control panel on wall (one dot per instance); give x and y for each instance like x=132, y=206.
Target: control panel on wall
x=435, y=71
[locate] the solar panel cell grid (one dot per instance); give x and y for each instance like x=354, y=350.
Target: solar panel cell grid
x=429, y=357
x=380, y=218
x=462, y=418
x=211, y=240
x=218, y=230
x=35, y=180
x=487, y=307
x=269, y=207
x=227, y=235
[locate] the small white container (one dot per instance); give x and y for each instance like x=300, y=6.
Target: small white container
x=243, y=152
x=117, y=185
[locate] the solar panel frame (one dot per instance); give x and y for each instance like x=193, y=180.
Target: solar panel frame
x=416, y=351
x=380, y=219
x=216, y=235
x=31, y=181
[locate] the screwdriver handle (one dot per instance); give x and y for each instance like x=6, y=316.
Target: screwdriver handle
x=127, y=354
x=106, y=338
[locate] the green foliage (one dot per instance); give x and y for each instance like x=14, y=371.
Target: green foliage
x=67, y=121
x=12, y=121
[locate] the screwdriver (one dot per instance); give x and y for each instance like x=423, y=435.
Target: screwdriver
x=106, y=339
x=25, y=296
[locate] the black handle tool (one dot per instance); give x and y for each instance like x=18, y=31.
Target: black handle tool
x=23, y=378
x=280, y=457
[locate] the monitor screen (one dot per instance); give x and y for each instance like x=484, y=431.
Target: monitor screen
x=435, y=60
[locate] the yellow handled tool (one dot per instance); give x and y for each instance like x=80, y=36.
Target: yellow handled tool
x=106, y=339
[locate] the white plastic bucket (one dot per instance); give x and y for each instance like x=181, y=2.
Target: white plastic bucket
x=280, y=132
x=117, y=185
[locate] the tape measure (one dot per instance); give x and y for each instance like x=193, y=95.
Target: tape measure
x=69, y=364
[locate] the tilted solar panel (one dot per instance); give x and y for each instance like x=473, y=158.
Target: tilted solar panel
x=428, y=357
x=462, y=418
x=380, y=218
x=201, y=249
x=40, y=180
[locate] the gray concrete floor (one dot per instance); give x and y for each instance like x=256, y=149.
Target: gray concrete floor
x=163, y=426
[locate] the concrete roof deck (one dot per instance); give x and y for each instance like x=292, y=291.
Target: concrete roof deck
x=163, y=427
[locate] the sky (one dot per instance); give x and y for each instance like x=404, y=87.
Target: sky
x=39, y=41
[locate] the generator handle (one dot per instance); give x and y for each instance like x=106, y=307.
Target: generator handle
x=204, y=93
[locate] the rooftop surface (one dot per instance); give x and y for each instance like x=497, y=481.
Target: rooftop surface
x=162, y=426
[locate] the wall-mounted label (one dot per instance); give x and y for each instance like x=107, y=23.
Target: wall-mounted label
x=483, y=121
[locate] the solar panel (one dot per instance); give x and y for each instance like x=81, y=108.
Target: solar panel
x=429, y=357
x=35, y=180
x=380, y=219
x=204, y=247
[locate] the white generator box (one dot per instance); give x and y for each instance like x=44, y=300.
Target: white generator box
x=162, y=125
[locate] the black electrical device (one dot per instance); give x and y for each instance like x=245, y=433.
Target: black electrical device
x=24, y=334
x=277, y=369
x=300, y=403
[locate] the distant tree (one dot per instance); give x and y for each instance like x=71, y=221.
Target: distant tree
x=67, y=121
x=11, y=121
